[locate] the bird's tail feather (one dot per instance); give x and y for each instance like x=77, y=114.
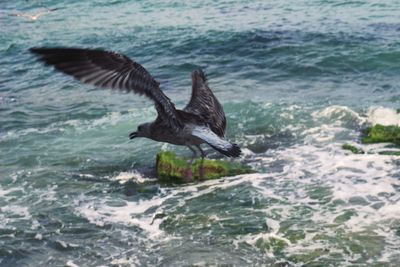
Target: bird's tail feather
x=221, y=145
x=233, y=151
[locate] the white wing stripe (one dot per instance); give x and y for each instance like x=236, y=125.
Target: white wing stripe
x=211, y=138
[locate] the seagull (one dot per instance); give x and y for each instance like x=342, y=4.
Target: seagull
x=35, y=16
x=202, y=121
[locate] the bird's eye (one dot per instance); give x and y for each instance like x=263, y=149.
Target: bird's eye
x=140, y=128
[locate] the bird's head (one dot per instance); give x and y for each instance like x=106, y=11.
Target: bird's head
x=143, y=130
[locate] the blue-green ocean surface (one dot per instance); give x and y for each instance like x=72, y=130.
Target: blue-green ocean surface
x=297, y=79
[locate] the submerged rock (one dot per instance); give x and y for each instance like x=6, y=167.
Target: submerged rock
x=171, y=168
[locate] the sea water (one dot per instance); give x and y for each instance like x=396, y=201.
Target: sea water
x=297, y=79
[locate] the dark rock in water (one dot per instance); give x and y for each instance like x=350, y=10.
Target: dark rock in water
x=171, y=168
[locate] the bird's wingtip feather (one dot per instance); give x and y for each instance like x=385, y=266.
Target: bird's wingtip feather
x=235, y=151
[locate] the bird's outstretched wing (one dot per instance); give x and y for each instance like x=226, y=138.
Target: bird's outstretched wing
x=221, y=145
x=110, y=70
x=204, y=104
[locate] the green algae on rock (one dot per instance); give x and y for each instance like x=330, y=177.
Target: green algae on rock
x=353, y=149
x=389, y=153
x=171, y=168
x=382, y=134
x=378, y=134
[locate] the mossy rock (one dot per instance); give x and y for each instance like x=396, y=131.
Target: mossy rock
x=382, y=134
x=356, y=150
x=389, y=153
x=171, y=168
x=353, y=149
x=378, y=134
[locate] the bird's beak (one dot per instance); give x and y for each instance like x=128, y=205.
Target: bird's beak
x=132, y=135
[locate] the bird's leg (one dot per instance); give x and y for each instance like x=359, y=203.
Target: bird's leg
x=201, y=168
x=188, y=172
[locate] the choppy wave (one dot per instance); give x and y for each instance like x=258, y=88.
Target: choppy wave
x=343, y=204
x=312, y=202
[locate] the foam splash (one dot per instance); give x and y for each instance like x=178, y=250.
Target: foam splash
x=135, y=213
x=322, y=176
x=100, y=213
x=70, y=263
x=132, y=262
x=16, y=212
x=338, y=115
x=383, y=116
x=354, y=195
x=134, y=176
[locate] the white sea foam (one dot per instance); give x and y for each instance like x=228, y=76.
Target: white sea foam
x=5, y=192
x=132, y=213
x=131, y=262
x=17, y=211
x=340, y=171
x=358, y=181
x=70, y=263
x=354, y=182
x=306, y=166
x=135, y=176
x=331, y=168
x=338, y=115
x=384, y=116
x=11, y=213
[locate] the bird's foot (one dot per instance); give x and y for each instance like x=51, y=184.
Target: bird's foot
x=188, y=175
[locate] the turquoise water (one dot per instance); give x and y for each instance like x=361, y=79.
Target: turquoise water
x=297, y=79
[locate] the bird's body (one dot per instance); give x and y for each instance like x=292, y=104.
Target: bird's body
x=201, y=121
x=184, y=137
x=162, y=132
